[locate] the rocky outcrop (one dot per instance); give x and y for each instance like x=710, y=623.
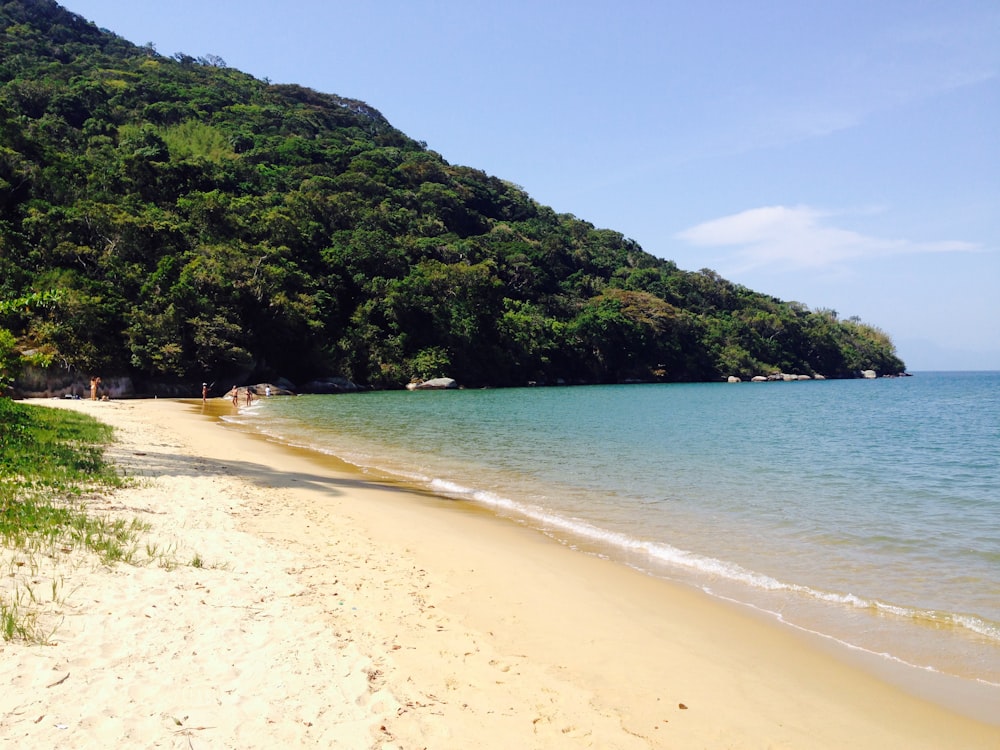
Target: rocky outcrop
x=57, y=382
x=784, y=377
x=330, y=385
x=434, y=384
x=268, y=389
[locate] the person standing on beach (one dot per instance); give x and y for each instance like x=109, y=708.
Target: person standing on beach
x=249, y=396
x=94, y=382
x=204, y=393
x=236, y=396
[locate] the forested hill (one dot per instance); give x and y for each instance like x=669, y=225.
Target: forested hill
x=173, y=219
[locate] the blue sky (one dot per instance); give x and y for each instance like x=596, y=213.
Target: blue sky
x=845, y=155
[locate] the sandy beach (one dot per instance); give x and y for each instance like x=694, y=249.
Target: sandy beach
x=324, y=610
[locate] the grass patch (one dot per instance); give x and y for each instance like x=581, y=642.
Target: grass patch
x=50, y=461
x=16, y=621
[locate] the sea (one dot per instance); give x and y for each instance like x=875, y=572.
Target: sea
x=864, y=512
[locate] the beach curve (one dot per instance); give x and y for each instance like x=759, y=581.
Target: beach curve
x=333, y=612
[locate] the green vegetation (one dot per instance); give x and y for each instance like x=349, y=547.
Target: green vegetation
x=50, y=462
x=196, y=223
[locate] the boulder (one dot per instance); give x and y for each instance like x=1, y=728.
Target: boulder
x=266, y=389
x=733, y=379
x=434, y=384
x=61, y=382
x=330, y=385
x=758, y=379
x=284, y=384
x=869, y=374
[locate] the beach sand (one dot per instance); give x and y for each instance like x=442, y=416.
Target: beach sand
x=329, y=611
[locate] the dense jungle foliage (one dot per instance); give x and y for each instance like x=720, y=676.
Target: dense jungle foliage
x=171, y=218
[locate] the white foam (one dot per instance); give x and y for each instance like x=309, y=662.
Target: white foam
x=659, y=556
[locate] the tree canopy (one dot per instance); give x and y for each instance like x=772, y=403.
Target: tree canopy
x=190, y=221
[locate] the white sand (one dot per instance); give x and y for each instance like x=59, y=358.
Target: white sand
x=331, y=612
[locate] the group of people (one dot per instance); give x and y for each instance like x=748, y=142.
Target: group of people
x=236, y=394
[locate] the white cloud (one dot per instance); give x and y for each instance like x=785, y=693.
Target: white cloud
x=801, y=237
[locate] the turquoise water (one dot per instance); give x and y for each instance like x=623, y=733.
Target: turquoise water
x=866, y=511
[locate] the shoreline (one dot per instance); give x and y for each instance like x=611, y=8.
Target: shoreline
x=922, y=673
x=463, y=630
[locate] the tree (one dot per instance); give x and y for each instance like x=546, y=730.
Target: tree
x=16, y=309
x=10, y=360
x=200, y=222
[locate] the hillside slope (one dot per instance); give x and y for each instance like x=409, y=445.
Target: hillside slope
x=175, y=219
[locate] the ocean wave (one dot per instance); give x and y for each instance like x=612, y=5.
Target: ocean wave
x=654, y=557
x=847, y=644
x=713, y=568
